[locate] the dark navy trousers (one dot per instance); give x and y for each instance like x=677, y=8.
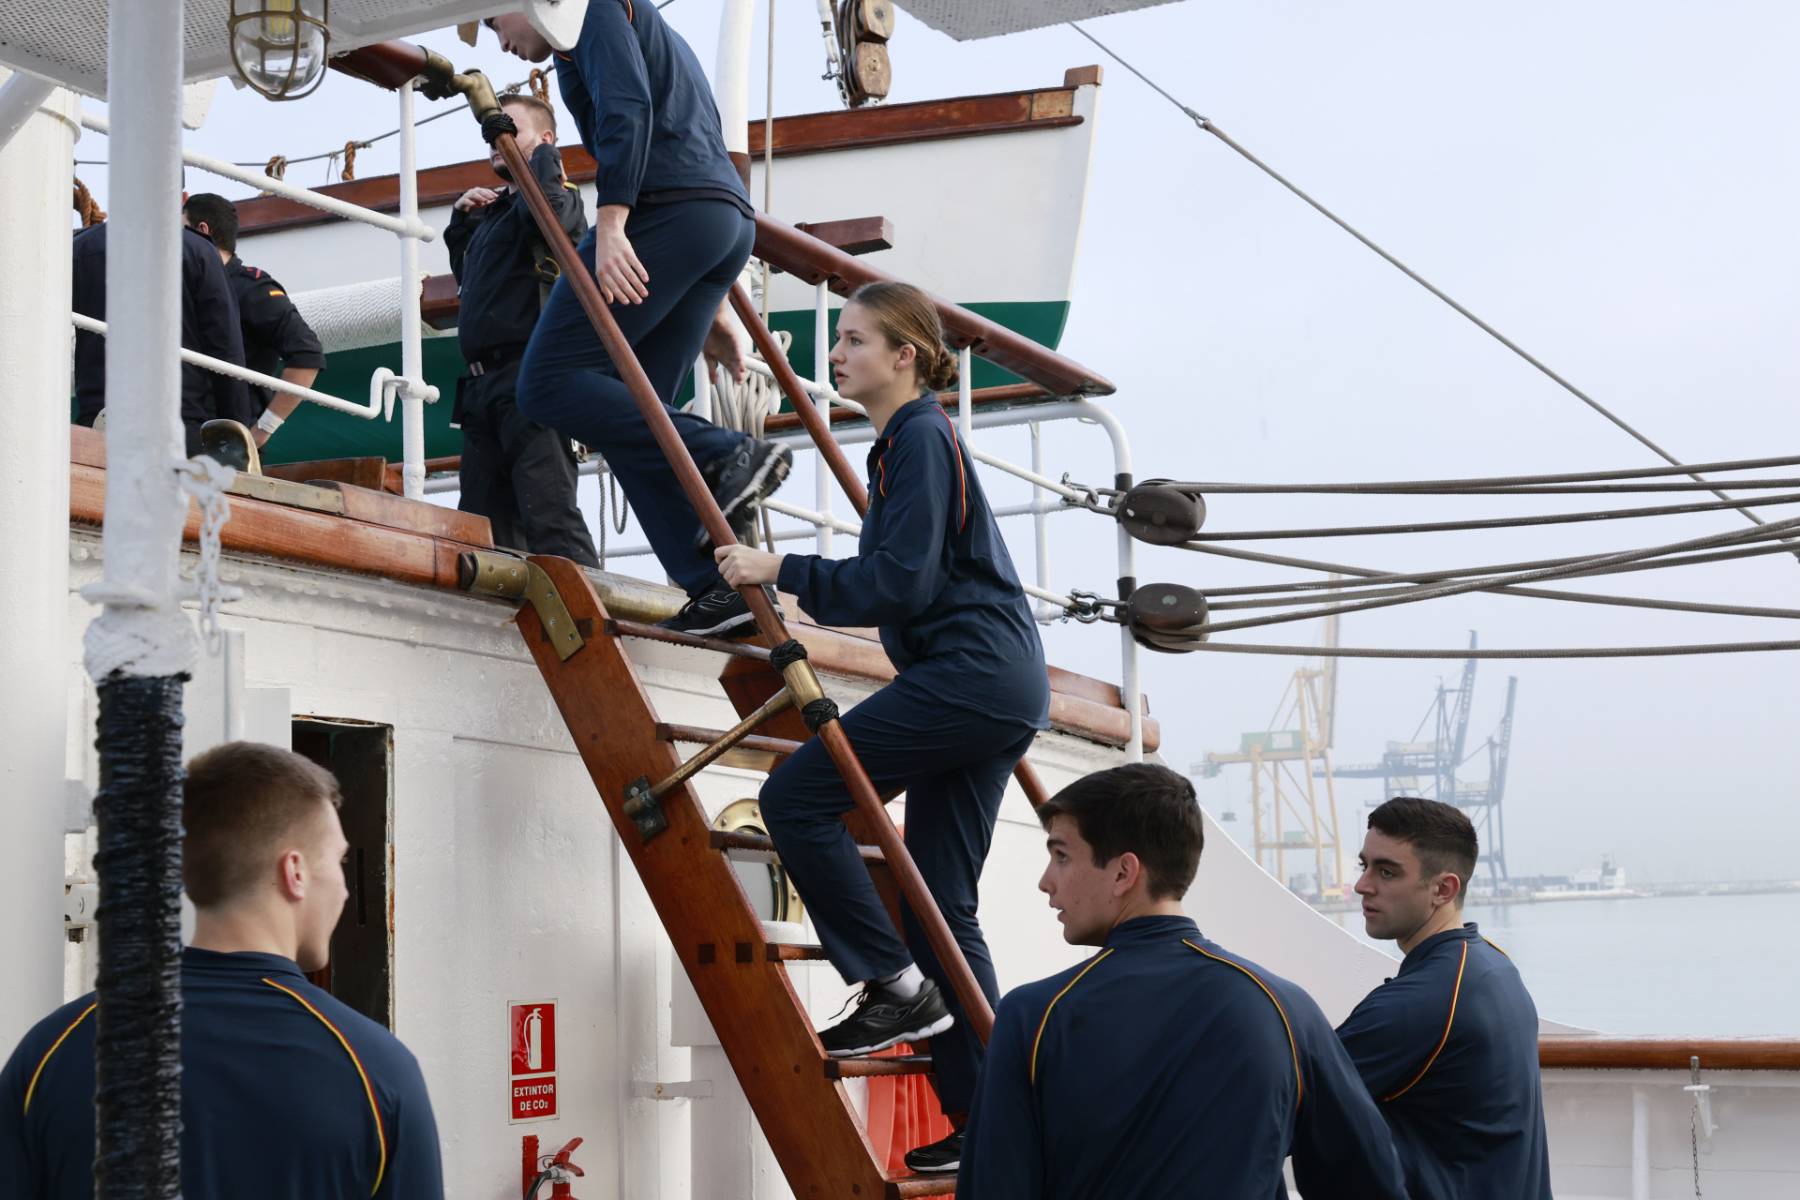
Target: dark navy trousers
x=953, y=764
x=693, y=251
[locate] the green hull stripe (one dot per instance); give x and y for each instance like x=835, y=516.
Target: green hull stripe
x=314, y=432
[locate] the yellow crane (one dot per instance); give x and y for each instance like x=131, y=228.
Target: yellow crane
x=1286, y=812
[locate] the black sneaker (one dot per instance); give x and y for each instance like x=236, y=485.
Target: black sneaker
x=883, y=1019
x=752, y=471
x=942, y=1157
x=743, y=522
x=718, y=612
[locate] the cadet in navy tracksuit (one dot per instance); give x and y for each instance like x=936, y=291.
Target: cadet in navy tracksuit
x=933, y=573
x=673, y=228
x=286, y=1092
x=1449, y=1045
x=1164, y=1066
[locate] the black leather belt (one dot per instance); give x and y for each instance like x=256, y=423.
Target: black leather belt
x=496, y=359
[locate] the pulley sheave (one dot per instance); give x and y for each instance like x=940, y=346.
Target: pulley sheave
x=1156, y=513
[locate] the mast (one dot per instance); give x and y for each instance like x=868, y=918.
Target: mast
x=37, y=149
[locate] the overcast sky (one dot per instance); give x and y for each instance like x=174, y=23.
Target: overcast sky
x=1611, y=183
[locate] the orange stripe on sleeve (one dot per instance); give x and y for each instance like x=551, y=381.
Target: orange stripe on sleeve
x=1293, y=1048
x=363, y=1074
x=962, y=481
x=1455, y=993
x=43, y=1062
x=1038, y=1040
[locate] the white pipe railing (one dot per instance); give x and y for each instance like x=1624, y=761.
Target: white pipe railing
x=822, y=477
x=409, y=387
x=367, y=411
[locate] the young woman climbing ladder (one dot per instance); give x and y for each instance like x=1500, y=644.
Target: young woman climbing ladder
x=933, y=574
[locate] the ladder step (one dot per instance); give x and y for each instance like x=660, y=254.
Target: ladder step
x=921, y=1185
x=793, y=952
x=699, y=736
x=864, y=1068
x=755, y=847
x=656, y=633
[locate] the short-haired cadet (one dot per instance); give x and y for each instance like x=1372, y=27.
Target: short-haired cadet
x=286, y=1092
x=1165, y=1065
x=1449, y=1045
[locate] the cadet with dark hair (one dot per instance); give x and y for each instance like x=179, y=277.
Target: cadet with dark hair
x=286, y=1092
x=276, y=336
x=1164, y=1065
x=1448, y=1046
x=209, y=325
x=518, y=474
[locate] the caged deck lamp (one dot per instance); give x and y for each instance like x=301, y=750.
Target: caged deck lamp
x=280, y=47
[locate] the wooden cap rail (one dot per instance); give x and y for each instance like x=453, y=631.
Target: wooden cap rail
x=1667, y=1054
x=805, y=257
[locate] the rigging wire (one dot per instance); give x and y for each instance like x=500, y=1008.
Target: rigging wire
x=1574, y=518
x=1779, y=528
x=1485, y=483
x=1207, y=125
x=1694, y=606
x=1464, y=652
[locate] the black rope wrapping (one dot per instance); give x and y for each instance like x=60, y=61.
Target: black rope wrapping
x=497, y=123
x=819, y=712
x=137, y=1051
x=787, y=654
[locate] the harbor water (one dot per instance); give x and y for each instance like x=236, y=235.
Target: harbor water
x=1698, y=966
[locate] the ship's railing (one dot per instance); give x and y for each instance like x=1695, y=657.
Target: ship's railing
x=409, y=386
x=1643, y=1117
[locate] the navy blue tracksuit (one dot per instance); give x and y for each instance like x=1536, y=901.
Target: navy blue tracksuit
x=646, y=114
x=1165, y=1067
x=209, y=324
x=1449, y=1046
x=286, y=1094
x=934, y=574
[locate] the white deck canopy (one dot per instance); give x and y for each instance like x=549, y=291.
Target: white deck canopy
x=65, y=40
x=965, y=20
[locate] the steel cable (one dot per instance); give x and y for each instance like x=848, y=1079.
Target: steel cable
x=1574, y=518
x=1463, y=652
x=1209, y=126
x=1487, y=482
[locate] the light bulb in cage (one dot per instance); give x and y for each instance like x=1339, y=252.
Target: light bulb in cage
x=279, y=47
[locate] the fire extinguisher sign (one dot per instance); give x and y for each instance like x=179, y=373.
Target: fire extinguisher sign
x=531, y=1073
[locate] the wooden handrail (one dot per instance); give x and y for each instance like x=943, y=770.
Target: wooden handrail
x=1556, y=1053
x=808, y=258
x=800, y=677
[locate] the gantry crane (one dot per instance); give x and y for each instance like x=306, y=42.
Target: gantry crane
x=1290, y=819
x=1418, y=768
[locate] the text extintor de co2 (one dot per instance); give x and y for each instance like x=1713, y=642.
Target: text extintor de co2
x=531, y=1079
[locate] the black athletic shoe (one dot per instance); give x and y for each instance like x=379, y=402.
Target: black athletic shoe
x=938, y=1158
x=882, y=1019
x=743, y=522
x=719, y=612
x=749, y=473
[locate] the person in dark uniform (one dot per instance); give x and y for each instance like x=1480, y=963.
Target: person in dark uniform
x=276, y=337
x=1165, y=1065
x=1449, y=1045
x=933, y=573
x=286, y=1092
x=518, y=474
x=209, y=325
x=672, y=230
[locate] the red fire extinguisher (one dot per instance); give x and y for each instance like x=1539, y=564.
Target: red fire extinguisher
x=559, y=1173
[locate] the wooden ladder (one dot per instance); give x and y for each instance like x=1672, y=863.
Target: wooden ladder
x=741, y=978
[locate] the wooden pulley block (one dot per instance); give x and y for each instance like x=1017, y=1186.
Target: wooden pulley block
x=873, y=20
x=1167, y=617
x=871, y=71
x=1159, y=515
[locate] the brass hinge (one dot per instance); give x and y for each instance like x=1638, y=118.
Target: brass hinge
x=488, y=573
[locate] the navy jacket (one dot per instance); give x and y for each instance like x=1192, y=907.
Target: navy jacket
x=494, y=254
x=645, y=110
x=1449, y=1046
x=275, y=334
x=933, y=573
x=209, y=324
x=1166, y=1067
x=286, y=1094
